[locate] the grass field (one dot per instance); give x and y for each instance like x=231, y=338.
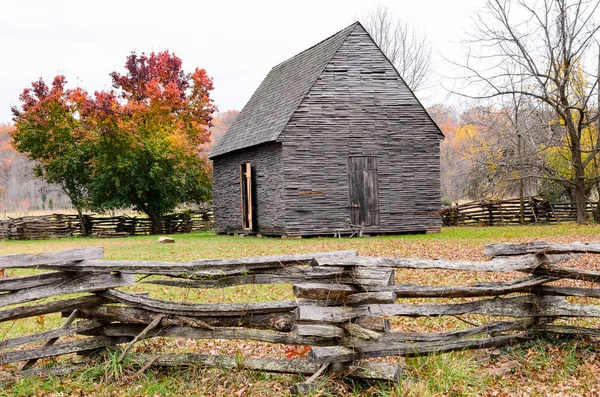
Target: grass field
x=544, y=367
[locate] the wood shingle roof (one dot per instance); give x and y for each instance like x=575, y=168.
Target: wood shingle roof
x=279, y=95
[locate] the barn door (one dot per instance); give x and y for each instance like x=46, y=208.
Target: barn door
x=246, y=189
x=364, y=191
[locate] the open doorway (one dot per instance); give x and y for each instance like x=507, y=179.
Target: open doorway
x=247, y=189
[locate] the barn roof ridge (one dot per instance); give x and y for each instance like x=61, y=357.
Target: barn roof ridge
x=348, y=28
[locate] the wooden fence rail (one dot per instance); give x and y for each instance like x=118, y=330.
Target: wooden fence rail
x=63, y=225
x=342, y=308
x=502, y=212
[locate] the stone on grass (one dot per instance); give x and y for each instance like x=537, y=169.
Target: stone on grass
x=165, y=240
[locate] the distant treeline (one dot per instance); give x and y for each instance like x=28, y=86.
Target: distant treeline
x=20, y=190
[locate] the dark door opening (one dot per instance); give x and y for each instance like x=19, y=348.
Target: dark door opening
x=246, y=190
x=363, y=190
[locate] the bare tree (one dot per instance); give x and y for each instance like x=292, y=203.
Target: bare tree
x=407, y=49
x=551, y=43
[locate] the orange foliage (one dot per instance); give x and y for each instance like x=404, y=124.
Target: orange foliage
x=221, y=123
x=7, y=150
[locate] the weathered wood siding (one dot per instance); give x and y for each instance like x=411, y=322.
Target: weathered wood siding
x=360, y=107
x=268, y=188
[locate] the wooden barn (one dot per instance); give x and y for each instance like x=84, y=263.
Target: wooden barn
x=331, y=142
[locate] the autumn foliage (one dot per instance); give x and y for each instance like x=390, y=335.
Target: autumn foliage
x=49, y=131
x=221, y=123
x=296, y=351
x=138, y=145
x=150, y=133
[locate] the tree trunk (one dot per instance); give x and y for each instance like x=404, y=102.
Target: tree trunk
x=156, y=224
x=574, y=135
x=597, y=208
x=81, y=222
x=521, y=203
x=579, y=192
x=520, y=154
x=581, y=201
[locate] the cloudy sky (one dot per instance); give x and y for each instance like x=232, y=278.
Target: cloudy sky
x=236, y=41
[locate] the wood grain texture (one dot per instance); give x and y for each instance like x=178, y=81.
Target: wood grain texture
x=566, y=330
x=51, y=307
x=328, y=354
x=357, y=106
x=363, y=189
x=521, y=306
x=363, y=370
x=359, y=277
x=60, y=349
x=207, y=309
x=201, y=268
x=379, y=324
x=79, y=327
x=527, y=284
x=34, y=260
x=351, y=295
x=508, y=249
x=111, y=313
x=76, y=283
x=426, y=348
x=131, y=330
x=371, y=297
x=322, y=330
x=24, y=282
x=345, y=317
x=324, y=290
x=268, y=190
x=489, y=329
x=522, y=263
x=330, y=126
x=568, y=291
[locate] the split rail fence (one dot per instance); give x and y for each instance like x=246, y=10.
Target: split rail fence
x=502, y=212
x=342, y=308
x=64, y=225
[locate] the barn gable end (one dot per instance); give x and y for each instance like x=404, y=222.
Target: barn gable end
x=337, y=142
x=360, y=107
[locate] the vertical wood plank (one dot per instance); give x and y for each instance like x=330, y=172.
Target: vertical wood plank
x=242, y=196
x=363, y=190
x=249, y=193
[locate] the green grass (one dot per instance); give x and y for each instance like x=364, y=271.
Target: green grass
x=541, y=365
x=445, y=373
x=209, y=245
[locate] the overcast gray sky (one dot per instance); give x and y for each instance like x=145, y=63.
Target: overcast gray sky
x=236, y=41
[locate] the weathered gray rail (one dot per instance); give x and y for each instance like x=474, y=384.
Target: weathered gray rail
x=509, y=211
x=67, y=225
x=342, y=306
